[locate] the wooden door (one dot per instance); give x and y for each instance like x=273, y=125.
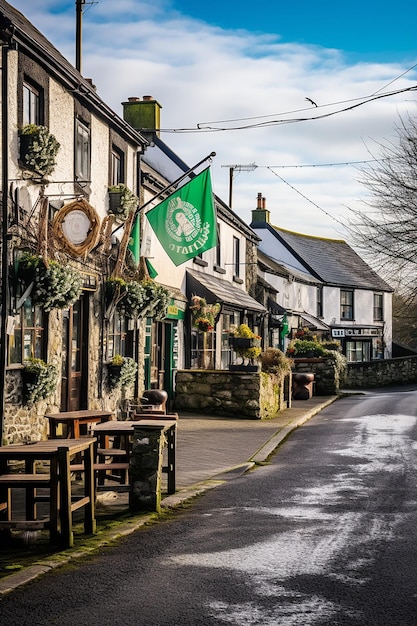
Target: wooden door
x=74, y=353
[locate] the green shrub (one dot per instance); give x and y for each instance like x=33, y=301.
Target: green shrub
x=274, y=361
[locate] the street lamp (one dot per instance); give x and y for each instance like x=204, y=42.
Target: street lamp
x=237, y=168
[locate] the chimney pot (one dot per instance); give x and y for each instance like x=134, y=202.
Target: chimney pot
x=148, y=97
x=264, y=203
x=134, y=99
x=259, y=204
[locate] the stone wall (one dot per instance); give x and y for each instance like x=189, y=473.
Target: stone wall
x=249, y=395
x=21, y=422
x=398, y=371
x=326, y=375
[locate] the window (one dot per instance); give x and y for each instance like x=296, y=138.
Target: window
x=358, y=351
x=31, y=105
x=27, y=339
x=202, y=350
x=236, y=256
x=117, y=335
x=320, y=301
x=82, y=151
x=378, y=307
x=116, y=167
x=218, y=248
x=346, y=304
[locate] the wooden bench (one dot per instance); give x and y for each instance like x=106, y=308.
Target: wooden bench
x=30, y=482
x=103, y=470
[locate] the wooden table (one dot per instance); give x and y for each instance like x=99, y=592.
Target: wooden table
x=74, y=419
x=126, y=430
x=62, y=502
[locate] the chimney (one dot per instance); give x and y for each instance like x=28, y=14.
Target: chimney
x=90, y=82
x=143, y=115
x=260, y=214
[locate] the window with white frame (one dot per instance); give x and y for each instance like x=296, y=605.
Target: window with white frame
x=82, y=151
x=236, y=256
x=378, y=307
x=320, y=301
x=32, y=104
x=116, y=166
x=346, y=304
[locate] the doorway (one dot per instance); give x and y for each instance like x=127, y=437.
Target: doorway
x=74, y=356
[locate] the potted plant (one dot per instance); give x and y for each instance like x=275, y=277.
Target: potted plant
x=122, y=371
x=38, y=149
x=204, y=315
x=39, y=380
x=247, y=345
x=121, y=201
x=55, y=286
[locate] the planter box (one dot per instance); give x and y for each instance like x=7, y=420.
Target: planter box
x=115, y=202
x=243, y=342
x=244, y=368
x=25, y=144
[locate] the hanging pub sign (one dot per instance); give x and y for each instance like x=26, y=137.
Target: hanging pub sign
x=76, y=227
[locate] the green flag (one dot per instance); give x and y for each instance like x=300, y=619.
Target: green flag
x=285, y=326
x=151, y=270
x=134, y=241
x=185, y=223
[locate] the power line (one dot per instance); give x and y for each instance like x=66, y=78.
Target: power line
x=305, y=165
x=305, y=197
x=278, y=122
x=394, y=79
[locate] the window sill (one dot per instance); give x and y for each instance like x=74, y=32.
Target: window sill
x=238, y=280
x=218, y=269
x=199, y=261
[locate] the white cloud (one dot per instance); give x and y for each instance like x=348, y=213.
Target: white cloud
x=200, y=73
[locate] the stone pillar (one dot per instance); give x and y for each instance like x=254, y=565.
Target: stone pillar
x=146, y=468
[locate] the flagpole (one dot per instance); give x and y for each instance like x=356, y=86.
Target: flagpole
x=163, y=191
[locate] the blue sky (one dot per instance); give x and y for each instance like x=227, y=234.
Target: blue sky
x=363, y=29
x=235, y=80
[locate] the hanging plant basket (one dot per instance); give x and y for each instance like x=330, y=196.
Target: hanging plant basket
x=137, y=299
x=204, y=315
x=241, y=342
x=54, y=287
x=121, y=201
x=38, y=149
x=247, y=346
x=122, y=371
x=38, y=379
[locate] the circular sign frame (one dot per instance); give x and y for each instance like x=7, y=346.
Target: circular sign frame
x=76, y=227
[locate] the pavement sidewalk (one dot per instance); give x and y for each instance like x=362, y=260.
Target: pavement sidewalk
x=210, y=450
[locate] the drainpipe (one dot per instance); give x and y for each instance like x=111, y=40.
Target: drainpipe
x=5, y=241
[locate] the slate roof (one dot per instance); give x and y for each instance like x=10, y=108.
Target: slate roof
x=217, y=290
x=271, y=266
x=332, y=260
x=15, y=27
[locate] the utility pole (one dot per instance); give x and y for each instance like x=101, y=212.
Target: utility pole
x=237, y=168
x=78, y=33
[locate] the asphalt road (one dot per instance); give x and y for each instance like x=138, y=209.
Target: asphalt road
x=325, y=535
